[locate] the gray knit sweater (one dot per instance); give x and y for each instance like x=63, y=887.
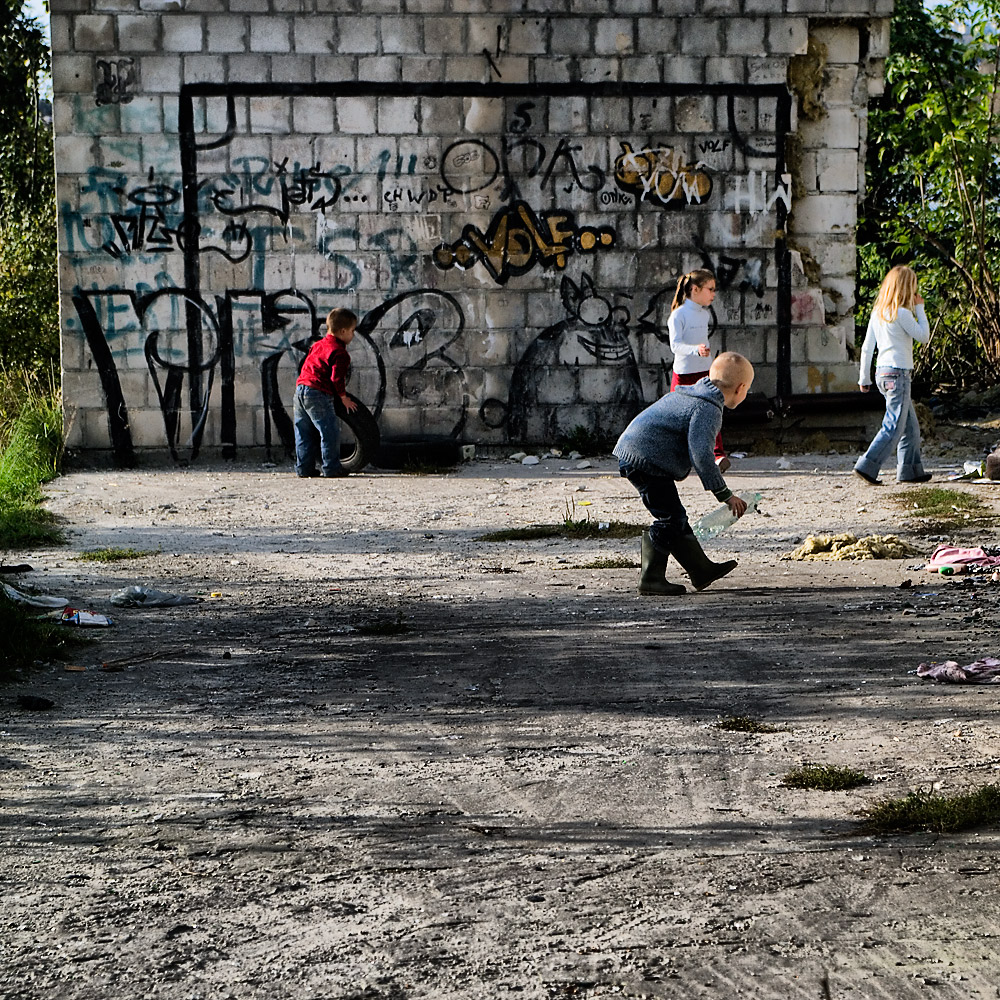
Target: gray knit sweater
x=675, y=433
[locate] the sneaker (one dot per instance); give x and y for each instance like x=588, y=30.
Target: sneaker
x=724, y=464
x=870, y=480
x=336, y=474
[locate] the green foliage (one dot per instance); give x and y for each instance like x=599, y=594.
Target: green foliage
x=31, y=435
x=26, y=637
x=111, y=554
x=937, y=813
x=933, y=187
x=825, y=777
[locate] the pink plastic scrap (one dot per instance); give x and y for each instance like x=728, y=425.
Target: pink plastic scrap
x=950, y=555
x=984, y=671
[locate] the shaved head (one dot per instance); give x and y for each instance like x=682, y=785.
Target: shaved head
x=730, y=369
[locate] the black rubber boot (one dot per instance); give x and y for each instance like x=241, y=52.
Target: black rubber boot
x=653, y=580
x=688, y=552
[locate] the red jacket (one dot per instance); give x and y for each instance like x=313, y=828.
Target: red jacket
x=326, y=366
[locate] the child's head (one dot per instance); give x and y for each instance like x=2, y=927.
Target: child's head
x=341, y=323
x=733, y=375
x=697, y=285
x=898, y=289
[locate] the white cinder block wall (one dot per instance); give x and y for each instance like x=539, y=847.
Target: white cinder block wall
x=504, y=192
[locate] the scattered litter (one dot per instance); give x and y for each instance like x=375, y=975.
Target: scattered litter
x=737, y=454
x=518, y=455
x=74, y=616
x=530, y=460
x=848, y=546
x=584, y=503
x=984, y=671
x=74, y=669
x=216, y=593
x=138, y=596
x=574, y=455
x=722, y=517
x=584, y=465
x=34, y=600
x=112, y=668
x=950, y=559
x=33, y=703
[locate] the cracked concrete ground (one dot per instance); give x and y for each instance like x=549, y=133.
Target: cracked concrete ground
x=393, y=761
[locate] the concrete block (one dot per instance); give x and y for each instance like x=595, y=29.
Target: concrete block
x=683, y=69
x=226, y=34
x=744, y=36
x=481, y=116
x=397, y=115
x=838, y=170
x=840, y=85
x=787, y=36
x=655, y=36
x=73, y=75
x=571, y=36
x=143, y=113
x=312, y=115
x=525, y=36
x=270, y=115
x=401, y=34
x=137, y=33
x=841, y=41
x=380, y=69
x=602, y=70
x=74, y=153
x=825, y=346
x=206, y=6
x=69, y=6
x=633, y=6
x=766, y=69
x=356, y=115
x=695, y=113
x=700, y=36
x=569, y=115
x=247, y=68
x=94, y=33
x=159, y=74
x=357, y=34
x=183, y=33
x=270, y=34
x=61, y=34
x=204, y=69
x=824, y=214
x=329, y=68
x=725, y=69
x=314, y=34
x=878, y=38
x=614, y=36
x=249, y=6
x=838, y=130
x=290, y=68
x=640, y=69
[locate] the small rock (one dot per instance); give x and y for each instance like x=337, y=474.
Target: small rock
x=574, y=455
x=584, y=465
x=518, y=455
x=530, y=460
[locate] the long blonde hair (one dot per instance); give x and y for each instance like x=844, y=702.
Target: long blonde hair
x=898, y=289
x=698, y=278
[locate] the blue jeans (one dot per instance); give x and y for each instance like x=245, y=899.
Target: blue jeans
x=900, y=430
x=660, y=498
x=317, y=430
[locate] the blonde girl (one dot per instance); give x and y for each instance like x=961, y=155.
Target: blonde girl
x=688, y=327
x=897, y=320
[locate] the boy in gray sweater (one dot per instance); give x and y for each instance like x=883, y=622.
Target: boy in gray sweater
x=660, y=447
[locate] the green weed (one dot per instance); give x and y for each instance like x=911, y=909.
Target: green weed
x=936, y=813
x=108, y=555
x=744, y=724
x=25, y=637
x=609, y=562
x=942, y=509
x=827, y=777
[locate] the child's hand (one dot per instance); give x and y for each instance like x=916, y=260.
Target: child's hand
x=736, y=505
x=703, y=351
x=349, y=404
x=865, y=388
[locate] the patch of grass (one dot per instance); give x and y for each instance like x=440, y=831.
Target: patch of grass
x=936, y=813
x=109, y=554
x=744, y=724
x=827, y=777
x=570, y=528
x=26, y=637
x=942, y=509
x=611, y=562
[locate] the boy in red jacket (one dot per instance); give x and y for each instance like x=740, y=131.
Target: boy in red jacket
x=323, y=375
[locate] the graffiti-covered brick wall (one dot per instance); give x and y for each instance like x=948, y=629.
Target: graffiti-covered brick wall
x=506, y=200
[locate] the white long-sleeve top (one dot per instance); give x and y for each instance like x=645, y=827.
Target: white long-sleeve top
x=893, y=341
x=688, y=327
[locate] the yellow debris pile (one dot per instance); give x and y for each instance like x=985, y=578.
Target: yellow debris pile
x=848, y=546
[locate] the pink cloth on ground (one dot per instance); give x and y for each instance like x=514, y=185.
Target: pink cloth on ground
x=984, y=671
x=950, y=555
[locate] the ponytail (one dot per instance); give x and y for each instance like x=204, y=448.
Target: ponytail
x=697, y=278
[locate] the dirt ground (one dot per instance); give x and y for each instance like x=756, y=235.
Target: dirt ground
x=383, y=759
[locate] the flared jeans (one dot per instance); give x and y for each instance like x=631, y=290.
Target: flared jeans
x=900, y=430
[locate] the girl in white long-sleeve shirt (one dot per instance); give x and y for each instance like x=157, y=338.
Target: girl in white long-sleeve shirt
x=688, y=327
x=898, y=319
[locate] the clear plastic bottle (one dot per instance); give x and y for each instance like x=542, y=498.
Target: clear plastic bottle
x=722, y=517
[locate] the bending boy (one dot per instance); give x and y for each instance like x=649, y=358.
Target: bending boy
x=660, y=447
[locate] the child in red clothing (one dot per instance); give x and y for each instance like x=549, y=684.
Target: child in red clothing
x=322, y=377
